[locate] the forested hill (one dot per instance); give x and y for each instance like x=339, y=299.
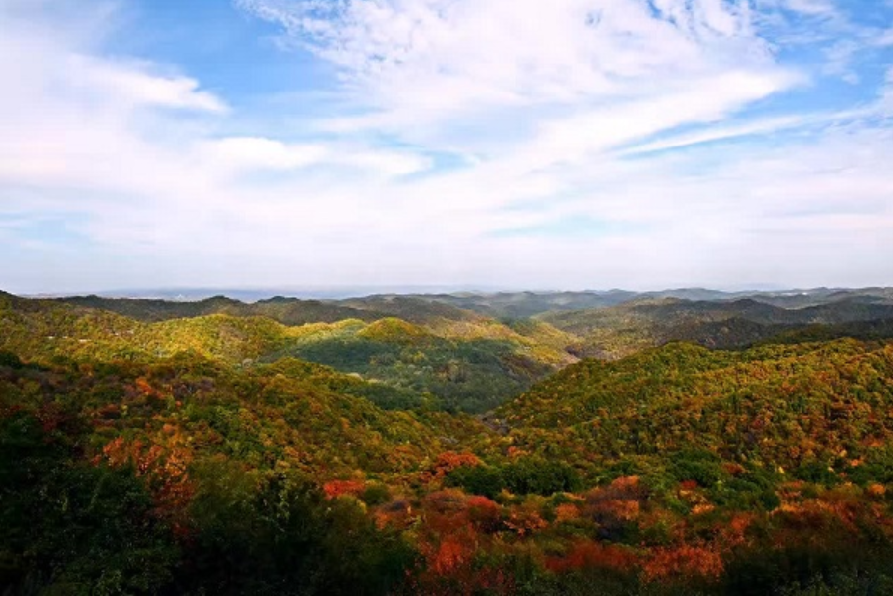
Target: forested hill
x=501, y=305
x=624, y=329
x=791, y=406
x=454, y=359
x=229, y=452
x=421, y=348
x=529, y=304
x=288, y=311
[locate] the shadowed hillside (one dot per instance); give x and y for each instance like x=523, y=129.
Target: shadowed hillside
x=622, y=330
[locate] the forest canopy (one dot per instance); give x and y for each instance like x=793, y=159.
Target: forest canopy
x=238, y=454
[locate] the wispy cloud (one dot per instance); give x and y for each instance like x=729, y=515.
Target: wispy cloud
x=580, y=144
x=426, y=61
x=132, y=82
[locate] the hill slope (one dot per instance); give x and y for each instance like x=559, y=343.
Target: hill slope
x=624, y=329
x=794, y=407
x=467, y=362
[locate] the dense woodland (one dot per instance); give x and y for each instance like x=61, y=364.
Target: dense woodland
x=682, y=443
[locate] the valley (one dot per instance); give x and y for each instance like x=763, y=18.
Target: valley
x=686, y=442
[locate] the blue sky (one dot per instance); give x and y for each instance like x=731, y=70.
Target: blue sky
x=501, y=143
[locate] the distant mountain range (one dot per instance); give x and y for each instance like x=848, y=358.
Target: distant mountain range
x=614, y=295
x=516, y=304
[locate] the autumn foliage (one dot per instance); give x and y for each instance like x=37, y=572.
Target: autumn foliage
x=677, y=470
x=337, y=488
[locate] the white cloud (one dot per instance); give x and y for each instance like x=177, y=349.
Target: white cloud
x=704, y=101
x=131, y=82
x=541, y=115
x=431, y=59
x=758, y=127
x=241, y=154
x=884, y=39
x=885, y=102
x=823, y=8
x=840, y=57
x=249, y=153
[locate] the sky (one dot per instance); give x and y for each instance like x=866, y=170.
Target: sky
x=512, y=144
